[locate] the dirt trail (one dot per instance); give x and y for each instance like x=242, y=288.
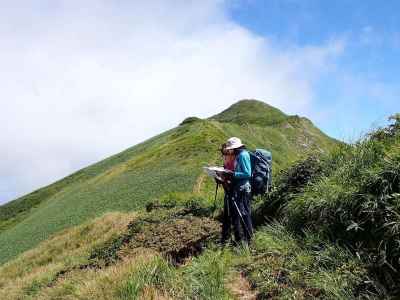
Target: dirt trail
x=241, y=289
x=199, y=181
x=198, y=184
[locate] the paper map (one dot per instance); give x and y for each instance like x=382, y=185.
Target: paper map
x=214, y=172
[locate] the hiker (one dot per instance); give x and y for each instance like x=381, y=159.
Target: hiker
x=229, y=164
x=241, y=191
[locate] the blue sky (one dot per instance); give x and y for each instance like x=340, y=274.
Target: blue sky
x=82, y=80
x=363, y=90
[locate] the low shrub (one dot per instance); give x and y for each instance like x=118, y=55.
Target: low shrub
x=190, y=203
x=291, y=182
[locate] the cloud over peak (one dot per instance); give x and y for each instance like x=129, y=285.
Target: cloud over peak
x=83, y=80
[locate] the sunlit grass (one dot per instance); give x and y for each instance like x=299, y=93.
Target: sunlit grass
x=37, y=268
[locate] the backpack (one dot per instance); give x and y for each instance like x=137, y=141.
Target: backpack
x=261, y=167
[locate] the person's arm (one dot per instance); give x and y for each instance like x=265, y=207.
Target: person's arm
x=244, y=167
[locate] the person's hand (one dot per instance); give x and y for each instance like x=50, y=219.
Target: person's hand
x=227, y=176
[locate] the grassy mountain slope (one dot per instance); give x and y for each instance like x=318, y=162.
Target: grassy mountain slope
x=90, y=262
x=170, y=162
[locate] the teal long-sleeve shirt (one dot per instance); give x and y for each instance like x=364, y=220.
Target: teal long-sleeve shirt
x=243, y=167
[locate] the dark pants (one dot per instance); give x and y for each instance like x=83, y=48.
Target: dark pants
x=227, y=219
x=237, y=212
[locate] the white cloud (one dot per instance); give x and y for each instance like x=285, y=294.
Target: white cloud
x=83, y=80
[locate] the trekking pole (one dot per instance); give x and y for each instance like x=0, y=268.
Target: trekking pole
x=215, y=198
x=241, y=217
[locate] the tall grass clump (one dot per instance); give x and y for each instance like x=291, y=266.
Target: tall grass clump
x=357, y=202
x=157, y=274
x=204, y=277
x=291, y=182
x=284, y=267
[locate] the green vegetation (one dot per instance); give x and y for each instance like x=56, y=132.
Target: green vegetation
x=283, y=266
x=177, y=233
x=170, y=162
x=252, y=112
x=291, y=183
x=350, y=197
x=42, y=266
x=121, y=256
x=157, y=273
x=357, y=201
x=335, y=234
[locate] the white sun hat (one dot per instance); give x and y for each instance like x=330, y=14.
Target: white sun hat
x=233, y=143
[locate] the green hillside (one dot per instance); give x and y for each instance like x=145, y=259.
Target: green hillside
x=169, y=162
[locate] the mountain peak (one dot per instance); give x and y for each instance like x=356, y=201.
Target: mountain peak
x=251, y=111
